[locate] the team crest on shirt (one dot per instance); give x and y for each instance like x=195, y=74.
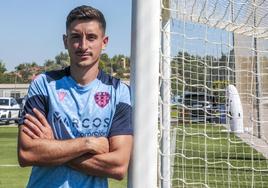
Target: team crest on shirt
x=61, y=95
x=102, y=98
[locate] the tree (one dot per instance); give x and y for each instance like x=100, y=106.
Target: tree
x=7, y=78
x=2, y=67
x=26, y=71
x=50, y=65
x=49, y=62
x=21, y=67
x=105, y=58
x=120, y=65
x=63, y=59
x=105, y=63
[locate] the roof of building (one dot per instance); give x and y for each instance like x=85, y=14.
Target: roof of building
x=14, y=86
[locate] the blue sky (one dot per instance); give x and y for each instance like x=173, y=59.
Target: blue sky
x=31, y=31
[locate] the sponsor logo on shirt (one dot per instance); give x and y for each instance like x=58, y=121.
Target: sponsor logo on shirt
x=102, y=98
x=92, y=127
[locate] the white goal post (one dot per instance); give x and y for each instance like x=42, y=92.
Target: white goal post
x=199, y=81
x=145, y=42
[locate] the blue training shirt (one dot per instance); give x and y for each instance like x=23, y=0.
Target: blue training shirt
x=101, y=108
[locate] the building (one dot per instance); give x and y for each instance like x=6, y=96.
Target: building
x=13, y=90
x=20, y=90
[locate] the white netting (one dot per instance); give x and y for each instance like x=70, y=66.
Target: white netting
x=206, y=139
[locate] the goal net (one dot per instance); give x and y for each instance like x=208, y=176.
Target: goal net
x=213, y=115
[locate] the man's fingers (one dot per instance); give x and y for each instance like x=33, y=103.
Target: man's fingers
x=33, y=128
x=37, y=125
x=28, y=132
x=41, y=117
x=35, y=122
x=99, y=145
x=46, y=129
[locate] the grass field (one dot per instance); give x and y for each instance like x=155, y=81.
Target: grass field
x=208, y=156
x=12, y=176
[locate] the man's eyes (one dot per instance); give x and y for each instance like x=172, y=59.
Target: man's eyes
x=89, y=37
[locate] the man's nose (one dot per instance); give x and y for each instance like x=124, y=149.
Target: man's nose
x=84, y=43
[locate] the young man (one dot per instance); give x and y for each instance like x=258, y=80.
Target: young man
x=76, y=129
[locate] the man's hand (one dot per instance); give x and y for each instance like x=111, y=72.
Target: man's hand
x=113, y=164
x=98, y=145
x=37, y=127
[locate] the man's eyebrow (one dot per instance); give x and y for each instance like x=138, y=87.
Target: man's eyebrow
x=92, y=34
x=74, y=33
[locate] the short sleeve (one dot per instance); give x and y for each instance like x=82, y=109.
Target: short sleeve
x=122, y=119
x=36, y=98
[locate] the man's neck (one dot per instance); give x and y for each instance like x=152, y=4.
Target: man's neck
x=84, y=75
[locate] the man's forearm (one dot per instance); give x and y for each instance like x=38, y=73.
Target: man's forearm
x=103, y=165
x=53, y=152
x=113, y=164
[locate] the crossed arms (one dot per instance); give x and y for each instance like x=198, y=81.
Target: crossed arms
x=90, y=155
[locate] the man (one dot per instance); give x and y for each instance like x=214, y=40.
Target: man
x=76, y=129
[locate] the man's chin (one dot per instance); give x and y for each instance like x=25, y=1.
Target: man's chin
x=85, y=63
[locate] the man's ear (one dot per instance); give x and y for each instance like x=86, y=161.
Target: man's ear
x=105, y=41
x=64, y=37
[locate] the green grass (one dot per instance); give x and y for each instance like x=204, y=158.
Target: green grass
x=208, y=155
x=15, y=176
x=11, y=176
x=224, y=152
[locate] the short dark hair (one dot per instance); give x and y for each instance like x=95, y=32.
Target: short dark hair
x=85, y=12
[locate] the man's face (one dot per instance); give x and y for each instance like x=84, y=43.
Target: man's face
x=85, y=41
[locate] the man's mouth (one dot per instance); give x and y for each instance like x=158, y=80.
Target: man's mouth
x=84, y=55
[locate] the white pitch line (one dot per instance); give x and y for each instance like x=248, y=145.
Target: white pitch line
x=9, y=165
